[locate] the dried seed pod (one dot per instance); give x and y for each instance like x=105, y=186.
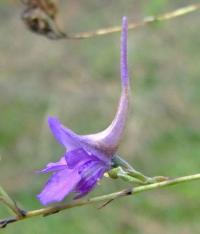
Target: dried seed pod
x=40, y=16
x=48, y=6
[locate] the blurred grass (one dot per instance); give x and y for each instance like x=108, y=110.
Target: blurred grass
x=79, y=82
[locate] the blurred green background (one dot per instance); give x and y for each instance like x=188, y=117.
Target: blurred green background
x=78, y=81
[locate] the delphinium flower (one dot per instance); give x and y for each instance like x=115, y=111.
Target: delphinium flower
x=87, y=157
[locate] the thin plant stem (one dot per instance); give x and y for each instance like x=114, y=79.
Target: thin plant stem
x=104, y=198
x=146, y=21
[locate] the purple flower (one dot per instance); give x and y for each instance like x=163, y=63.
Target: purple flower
x=87, y=157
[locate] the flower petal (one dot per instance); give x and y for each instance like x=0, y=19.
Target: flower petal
x=50, y=167
x=63, y=135
x=88, y=183
x=77, y=157
x=58, y=186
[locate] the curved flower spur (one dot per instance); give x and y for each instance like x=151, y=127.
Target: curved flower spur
x=87, y=157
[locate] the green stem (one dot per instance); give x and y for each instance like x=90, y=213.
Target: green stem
x=109, y=197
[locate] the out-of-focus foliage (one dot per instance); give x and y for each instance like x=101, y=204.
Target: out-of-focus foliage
x=79, y=82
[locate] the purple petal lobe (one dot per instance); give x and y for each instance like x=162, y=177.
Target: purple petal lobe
x=91, y=172
x=77, y=157
x=58, y=186
x=63, y=135
x=89, y=179
x=51, y=167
